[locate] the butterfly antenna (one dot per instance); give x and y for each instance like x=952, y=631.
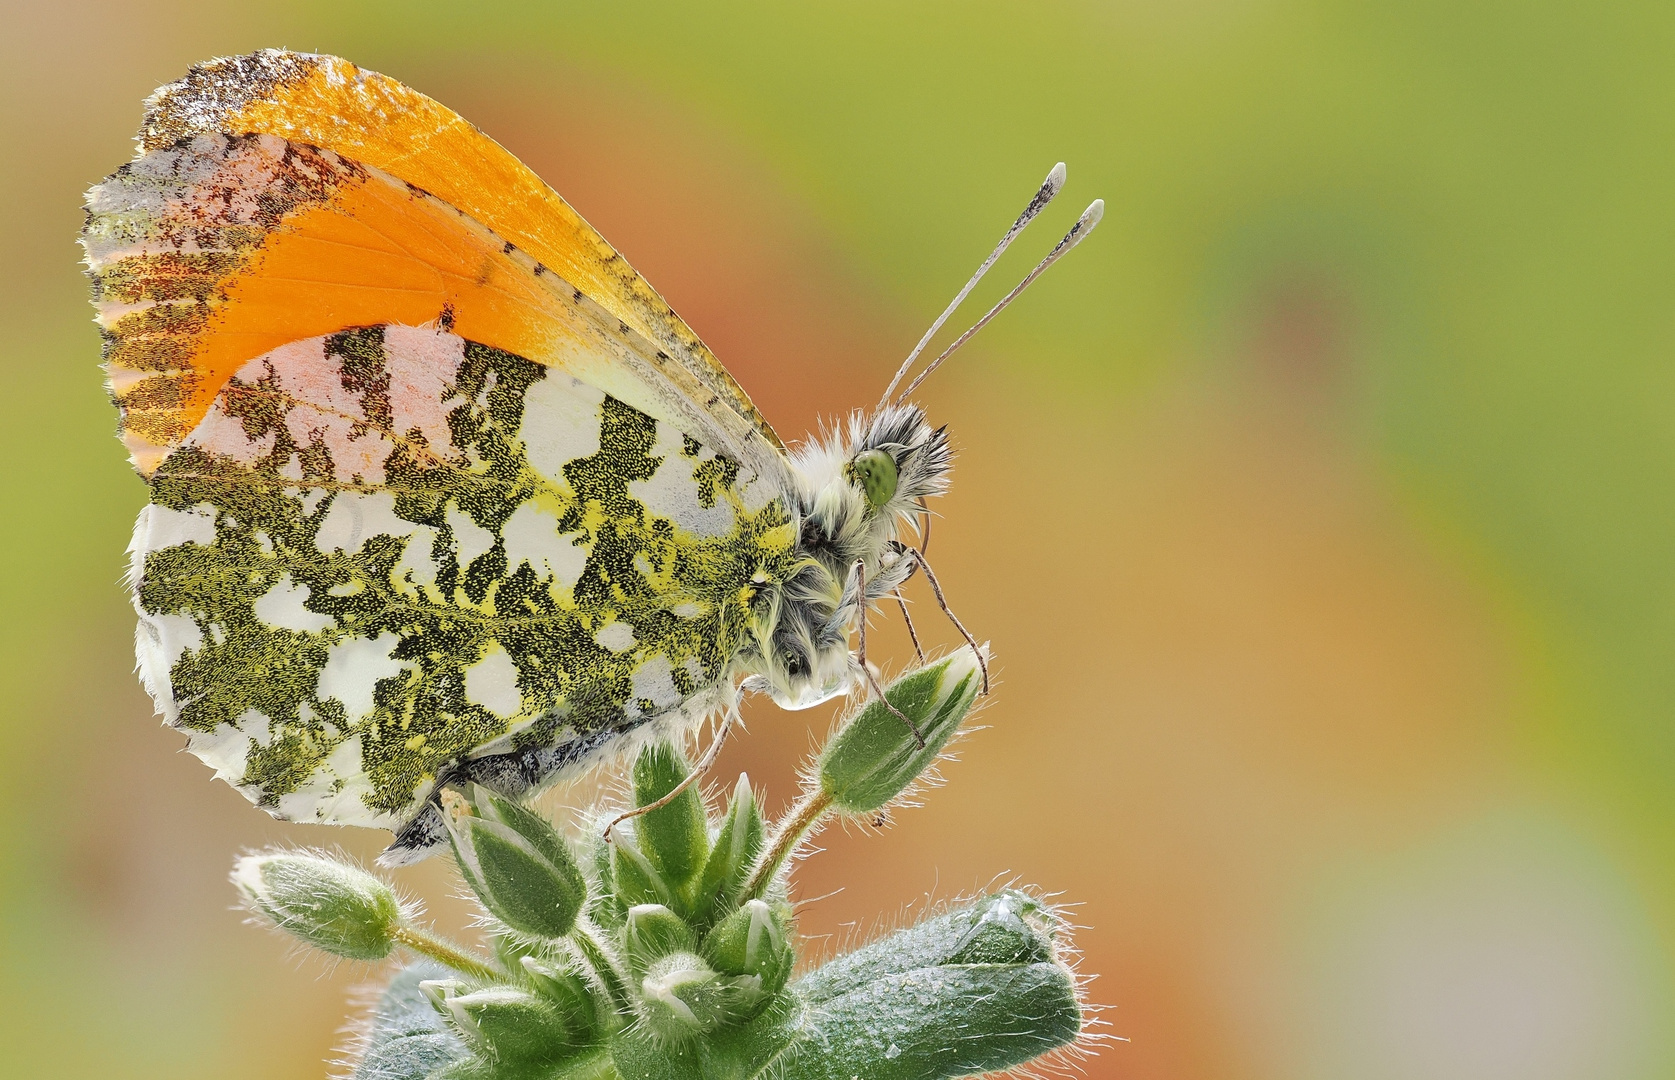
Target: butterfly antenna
x=1084, y=225
x=1049, y=188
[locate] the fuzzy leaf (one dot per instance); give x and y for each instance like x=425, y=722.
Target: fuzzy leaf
x=939, y=1022
x=1005, y=922
x=406, y=1039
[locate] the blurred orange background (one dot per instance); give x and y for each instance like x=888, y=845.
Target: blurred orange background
x=1320, y=509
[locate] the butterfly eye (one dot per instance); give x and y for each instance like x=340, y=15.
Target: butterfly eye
x=874, y=472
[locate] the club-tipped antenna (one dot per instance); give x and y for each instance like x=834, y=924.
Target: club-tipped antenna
x=1084, y=225
x=1049, y=188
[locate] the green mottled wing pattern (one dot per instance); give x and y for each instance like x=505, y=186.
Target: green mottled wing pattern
x=389, y=551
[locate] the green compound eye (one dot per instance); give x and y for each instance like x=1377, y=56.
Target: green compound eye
x=875, y=472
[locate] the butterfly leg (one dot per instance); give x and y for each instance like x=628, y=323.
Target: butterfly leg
x=903, y=549
x=861, y=655
x=699, y=770
x=942, y=602
x=911, y=632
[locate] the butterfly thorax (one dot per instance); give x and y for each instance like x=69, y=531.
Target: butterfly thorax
x=852, y=491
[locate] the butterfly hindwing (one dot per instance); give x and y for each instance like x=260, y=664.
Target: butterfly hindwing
x=390, y=550
x=420, y=504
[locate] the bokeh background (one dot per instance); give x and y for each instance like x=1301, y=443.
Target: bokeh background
x=1321, y=508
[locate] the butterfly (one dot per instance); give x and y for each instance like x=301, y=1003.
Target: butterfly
x=440, y=489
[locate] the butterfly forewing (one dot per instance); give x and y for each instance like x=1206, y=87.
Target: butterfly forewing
x=328, y=102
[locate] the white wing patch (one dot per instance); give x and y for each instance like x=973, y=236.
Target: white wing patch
x=673, y=488
x=654, y=682
x=353, y=668
x=492, y=682
x=531, y=536
x=560, y=423
x=282, y=606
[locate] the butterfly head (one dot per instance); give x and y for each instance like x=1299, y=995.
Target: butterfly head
x=855, y=493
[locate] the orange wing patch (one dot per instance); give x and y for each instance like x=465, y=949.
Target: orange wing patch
x=218, y=249
x=375, y=120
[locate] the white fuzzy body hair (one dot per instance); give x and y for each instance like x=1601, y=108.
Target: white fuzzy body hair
x=801, y=651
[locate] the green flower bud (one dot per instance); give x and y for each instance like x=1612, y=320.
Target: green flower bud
x=504, y=1022
x=681, y=997
x=752, y=941
x=874, y=757
x=1010, y=928
x=332, y=906
x=669, y=991
x=510, y=949
x=736, y=848
x=673, y=836
x=653, y=932
x=516, y=863
x=637, y=881
x=572, y=988
x=603, y=906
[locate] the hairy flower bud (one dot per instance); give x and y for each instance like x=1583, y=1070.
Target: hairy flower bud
x=752, y=941
x=681, y=996
x=510, y=1024
x=653, y=931
x=333, y=906
x=874, y=757
x=736, y=848
x=516, y=863
x=672, y=836
x=674, y=996
x=572, y=988
x=637, y=881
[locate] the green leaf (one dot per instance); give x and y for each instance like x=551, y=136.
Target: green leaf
x=938, y=1022
x=973, y=990
x=1008, y=922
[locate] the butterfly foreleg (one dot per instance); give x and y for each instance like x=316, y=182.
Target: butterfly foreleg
x=942, y=602
x=859, y=571
x=911, y=632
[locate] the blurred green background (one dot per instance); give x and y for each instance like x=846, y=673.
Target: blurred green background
x=1321, y=508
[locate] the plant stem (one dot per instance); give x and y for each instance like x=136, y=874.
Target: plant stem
x=444, y=953
x=790, y=831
